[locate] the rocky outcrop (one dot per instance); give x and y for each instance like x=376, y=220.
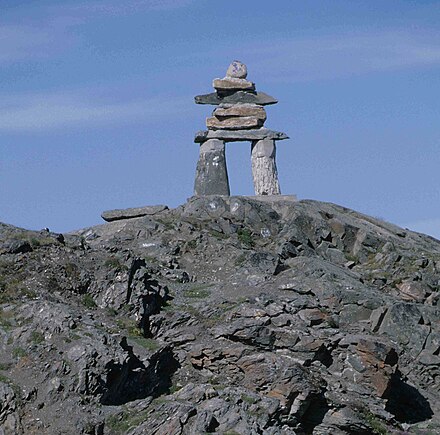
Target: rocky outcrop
x=224, y=315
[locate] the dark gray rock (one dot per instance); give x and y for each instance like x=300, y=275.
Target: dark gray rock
x=9, y=420
x=239, y=97
x=129, y=213
x=226, y=314
x=211, y=171
x=240, y=135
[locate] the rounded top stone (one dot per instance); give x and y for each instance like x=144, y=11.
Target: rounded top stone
x=237, y=70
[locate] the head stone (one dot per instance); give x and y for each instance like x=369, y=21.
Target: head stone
x=237, y=70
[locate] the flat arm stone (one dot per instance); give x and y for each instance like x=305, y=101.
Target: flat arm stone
x=240, y=135
x=239, y=97
x=129, y=213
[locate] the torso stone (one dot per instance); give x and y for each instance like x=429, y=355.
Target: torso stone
x=233, y=123
x=229, y=110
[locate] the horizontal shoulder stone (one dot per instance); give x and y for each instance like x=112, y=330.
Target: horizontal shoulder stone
x=129, y=213
x=240, y=135
x=239, y=97
x=231, y=84
x=234, y=123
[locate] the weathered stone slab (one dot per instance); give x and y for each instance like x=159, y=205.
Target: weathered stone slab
x=129, y=213
x=235, y=123
x=264, y=168
x=229, y=110
x=211, y=172
x=240, y=135
x=233, y=84
x=237, y=69
x=239, y=97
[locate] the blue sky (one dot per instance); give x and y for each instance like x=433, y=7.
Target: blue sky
x=97, y=109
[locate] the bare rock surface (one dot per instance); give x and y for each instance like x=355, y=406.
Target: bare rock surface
x=225, y=315
x=128, y=213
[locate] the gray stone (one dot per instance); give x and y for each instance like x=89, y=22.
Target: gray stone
x=285, y=362
x=233, y=123
x=129, y=213
x=414, y=290
x=240, y=135
x=211, y=172
x=239, y=97
x=237, y=70
x=8, y=400
x=235, y=110
x=233, y=84
x=264, y=169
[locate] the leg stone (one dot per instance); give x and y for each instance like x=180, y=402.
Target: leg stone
x=264, y=168
x=211, y=172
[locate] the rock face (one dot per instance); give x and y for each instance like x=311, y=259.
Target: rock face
x=224, y=315
x=240, y=117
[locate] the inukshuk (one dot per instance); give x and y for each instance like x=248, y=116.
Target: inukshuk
x=240, y=116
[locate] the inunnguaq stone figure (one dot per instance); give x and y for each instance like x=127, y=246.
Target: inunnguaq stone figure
x=239, y=116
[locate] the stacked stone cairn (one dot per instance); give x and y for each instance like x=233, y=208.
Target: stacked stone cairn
x=239, y=116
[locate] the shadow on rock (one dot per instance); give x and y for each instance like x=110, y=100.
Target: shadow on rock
x=315, y=413
x=133, y=380
x=406, y=403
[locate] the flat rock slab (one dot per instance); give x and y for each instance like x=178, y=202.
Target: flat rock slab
x=233, y=84
x=272, y=198
x=129, y=213
x=233, y=123
x=239, y=135
x=235, y=110
x=240, y=97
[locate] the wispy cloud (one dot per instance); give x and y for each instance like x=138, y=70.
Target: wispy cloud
x=56, y=31
x=66, y=110
x=23, y=42
x=112, y=7
x=333, y=54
